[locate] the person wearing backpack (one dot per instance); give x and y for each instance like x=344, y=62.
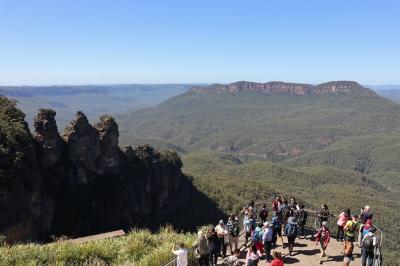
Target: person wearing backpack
x=257, y=239
x=322, y=238
x=291, y=231
x=248, y=225
x=263, y=214
x=350, y=230
x=276, y=230
x=365, y=215
x=234, y=231
x=368, y=248
x=301, y=217
x=283, y=212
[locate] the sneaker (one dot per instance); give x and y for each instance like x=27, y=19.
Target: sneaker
x=320, y=262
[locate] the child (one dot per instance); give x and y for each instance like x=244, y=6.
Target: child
x=322, y=238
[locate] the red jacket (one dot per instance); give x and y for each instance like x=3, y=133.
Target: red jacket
x=327, y=236
x=277, y=262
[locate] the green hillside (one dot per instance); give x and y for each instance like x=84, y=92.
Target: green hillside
x=273, y=126
x=366, y=154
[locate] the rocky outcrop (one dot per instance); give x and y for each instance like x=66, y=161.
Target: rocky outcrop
x=82, y=183
x=334, y=87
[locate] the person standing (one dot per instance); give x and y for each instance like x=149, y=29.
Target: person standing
x=323, y=214
x=181, y=254
x=342, y=220
x=213, y=245
x=301, y=217
x=202, y=249
x=291, y=231
x=234, y=231
x=350, y=230
x=277, y=230
x=365, y=215
x=267, y=240
x=368, y=248
x=222, y=232
x=322, y=238
x=263, y=213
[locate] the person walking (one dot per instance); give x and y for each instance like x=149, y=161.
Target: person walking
x=267, y=240
x=257, y=239
x=202, y=249
x=181, y=254
x=291, y=231
x=368, y=248
x=343, y=217
x=322, y=238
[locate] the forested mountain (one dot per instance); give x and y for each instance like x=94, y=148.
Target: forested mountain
x=274, y=121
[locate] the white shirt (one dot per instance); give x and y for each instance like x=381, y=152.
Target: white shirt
x=181, y=257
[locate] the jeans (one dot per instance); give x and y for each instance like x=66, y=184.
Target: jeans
x=367, y=256
x=267, y=249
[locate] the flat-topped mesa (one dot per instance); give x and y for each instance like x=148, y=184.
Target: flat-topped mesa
x=333, y=87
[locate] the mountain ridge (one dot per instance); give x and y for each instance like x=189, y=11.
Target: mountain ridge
x=331, y=87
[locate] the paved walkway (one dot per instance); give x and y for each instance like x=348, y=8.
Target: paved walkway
x=307, y=253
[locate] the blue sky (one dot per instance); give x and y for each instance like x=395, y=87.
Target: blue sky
x=95, y=42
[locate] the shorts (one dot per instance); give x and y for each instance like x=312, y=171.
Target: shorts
x=321, y=244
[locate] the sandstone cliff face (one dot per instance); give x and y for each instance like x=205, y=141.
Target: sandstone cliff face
x=334, y=87
x=83, y=183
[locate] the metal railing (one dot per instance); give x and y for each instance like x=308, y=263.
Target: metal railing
x=312, y=223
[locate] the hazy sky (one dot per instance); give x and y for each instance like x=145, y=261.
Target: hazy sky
x=81, y=42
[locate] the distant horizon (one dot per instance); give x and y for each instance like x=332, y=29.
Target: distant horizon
x=184, y=83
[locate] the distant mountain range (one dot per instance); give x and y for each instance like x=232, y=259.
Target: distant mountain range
x=94, y=100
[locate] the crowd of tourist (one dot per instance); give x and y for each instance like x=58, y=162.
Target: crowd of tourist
x=288, y=219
